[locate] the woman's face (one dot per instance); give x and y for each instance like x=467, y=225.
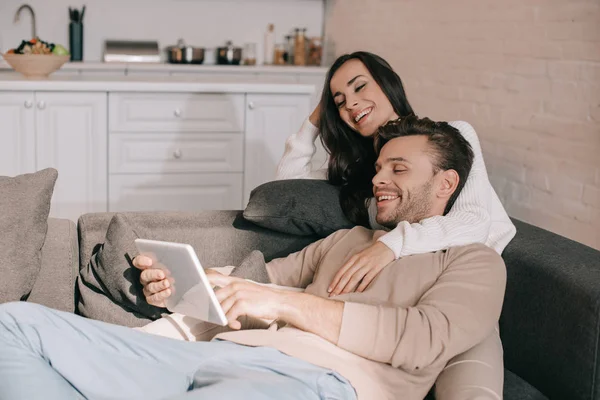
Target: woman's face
x=359, y=99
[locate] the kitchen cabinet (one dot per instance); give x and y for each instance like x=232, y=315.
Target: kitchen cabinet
x=270, y=120
x=71, y=137
x=60, y=130
x=17, y=132
x=136, y=145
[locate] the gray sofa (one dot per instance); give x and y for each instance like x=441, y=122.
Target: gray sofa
x=550, y=324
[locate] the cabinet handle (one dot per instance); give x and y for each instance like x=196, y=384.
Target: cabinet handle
x=177, y=154
x=28, y=103
x=251, y=105
x=177, y=112
x=41, y=104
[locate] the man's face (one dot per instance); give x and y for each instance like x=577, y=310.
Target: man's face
x=405, y=185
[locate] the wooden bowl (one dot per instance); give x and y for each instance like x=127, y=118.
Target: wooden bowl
x=35, y=65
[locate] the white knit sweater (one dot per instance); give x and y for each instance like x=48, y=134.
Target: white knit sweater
x=476, y=216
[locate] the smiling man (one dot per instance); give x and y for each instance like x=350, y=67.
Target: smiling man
x=391, y=340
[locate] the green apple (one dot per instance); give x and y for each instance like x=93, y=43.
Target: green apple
x=59, y=50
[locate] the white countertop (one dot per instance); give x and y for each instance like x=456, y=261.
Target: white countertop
x=165, y=67
x=12, y=81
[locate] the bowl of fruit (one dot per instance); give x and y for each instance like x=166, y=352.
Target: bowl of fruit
x=36, y=59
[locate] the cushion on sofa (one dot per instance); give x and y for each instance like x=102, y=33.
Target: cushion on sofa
x=24, y=205
x=108, y=287
x=298, y=207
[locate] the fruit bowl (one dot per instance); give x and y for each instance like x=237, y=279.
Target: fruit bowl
x=36, y=65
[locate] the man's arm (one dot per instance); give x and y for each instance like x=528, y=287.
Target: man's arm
x=455, y=314
x=313, y=314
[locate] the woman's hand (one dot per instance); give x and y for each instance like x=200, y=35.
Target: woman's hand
x=361, y=269
x=316, y=115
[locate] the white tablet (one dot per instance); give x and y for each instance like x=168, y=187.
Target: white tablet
x=191, y=293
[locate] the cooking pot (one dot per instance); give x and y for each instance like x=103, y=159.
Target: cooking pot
x=184, y=54
x=229, y=55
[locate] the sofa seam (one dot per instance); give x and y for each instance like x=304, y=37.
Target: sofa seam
x=595, y=368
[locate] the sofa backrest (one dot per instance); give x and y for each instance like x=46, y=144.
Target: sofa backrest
x=551, y=316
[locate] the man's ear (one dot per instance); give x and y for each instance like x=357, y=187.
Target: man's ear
x=448, y=183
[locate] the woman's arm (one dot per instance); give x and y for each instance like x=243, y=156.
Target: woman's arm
x=468, y=221
x=299, y=151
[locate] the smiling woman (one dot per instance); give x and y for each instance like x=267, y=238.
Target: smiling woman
x=361, y=93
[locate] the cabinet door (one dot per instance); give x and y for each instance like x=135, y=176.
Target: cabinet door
x=17, y=133
x=270, y=120
x=71, y=133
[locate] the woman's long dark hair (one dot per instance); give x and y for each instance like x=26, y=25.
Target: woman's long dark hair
x=351, y=156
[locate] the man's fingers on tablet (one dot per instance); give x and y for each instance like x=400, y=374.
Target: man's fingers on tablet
x=142, y=262
x=151, y=275
x=155, y=287
x=158, y=299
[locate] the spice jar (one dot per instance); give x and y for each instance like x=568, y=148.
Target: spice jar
x=279, y=56
x=249, y=54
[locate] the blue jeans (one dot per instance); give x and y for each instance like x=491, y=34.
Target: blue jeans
x=49, y=354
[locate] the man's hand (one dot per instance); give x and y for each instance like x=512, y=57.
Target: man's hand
x=239, y=297
x=309, y=313
x=157, y=286
x=361, y=269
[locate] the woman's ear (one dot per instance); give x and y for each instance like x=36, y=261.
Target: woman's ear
x=448, y=183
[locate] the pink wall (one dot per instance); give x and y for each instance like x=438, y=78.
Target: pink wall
x=524, y=73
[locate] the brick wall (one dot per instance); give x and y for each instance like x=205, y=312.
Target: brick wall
x=524, y=73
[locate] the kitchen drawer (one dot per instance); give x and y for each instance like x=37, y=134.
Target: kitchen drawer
x=168, y=152
x=176, y=112
x=175, y=192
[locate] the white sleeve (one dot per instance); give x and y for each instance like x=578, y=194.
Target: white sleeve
x=468, y=221
x=296, y=162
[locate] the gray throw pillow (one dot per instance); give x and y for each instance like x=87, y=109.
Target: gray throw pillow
x=303, y=207
x=108, y=287
x=24, y=208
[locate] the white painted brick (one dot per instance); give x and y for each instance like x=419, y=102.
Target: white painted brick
x=518, y=193
x=540, y=87
x=547, y=50
x=512, y=172
x=564, y=31
x=550, y=124
x=576, y=171
x=595, y=113
x=511, y=153
x=591, y=196
x=530, y=66
x=538, y=160
x=517, y=48
x=565, y=90
x=590, y=30
x=573, y=110
x=473, y=94
x=561, y=186
x=589, y=51
x=565, y=70
x=590, y=93
x=537, y=179
x=590, y=72
x=568, y=11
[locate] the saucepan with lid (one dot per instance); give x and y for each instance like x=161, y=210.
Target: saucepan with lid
x=185, y=54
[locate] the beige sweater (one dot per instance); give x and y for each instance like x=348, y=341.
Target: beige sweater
x=399, y=333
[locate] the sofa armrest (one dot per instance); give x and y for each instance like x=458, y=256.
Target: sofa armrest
x=55, y=284
x=551, y=315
